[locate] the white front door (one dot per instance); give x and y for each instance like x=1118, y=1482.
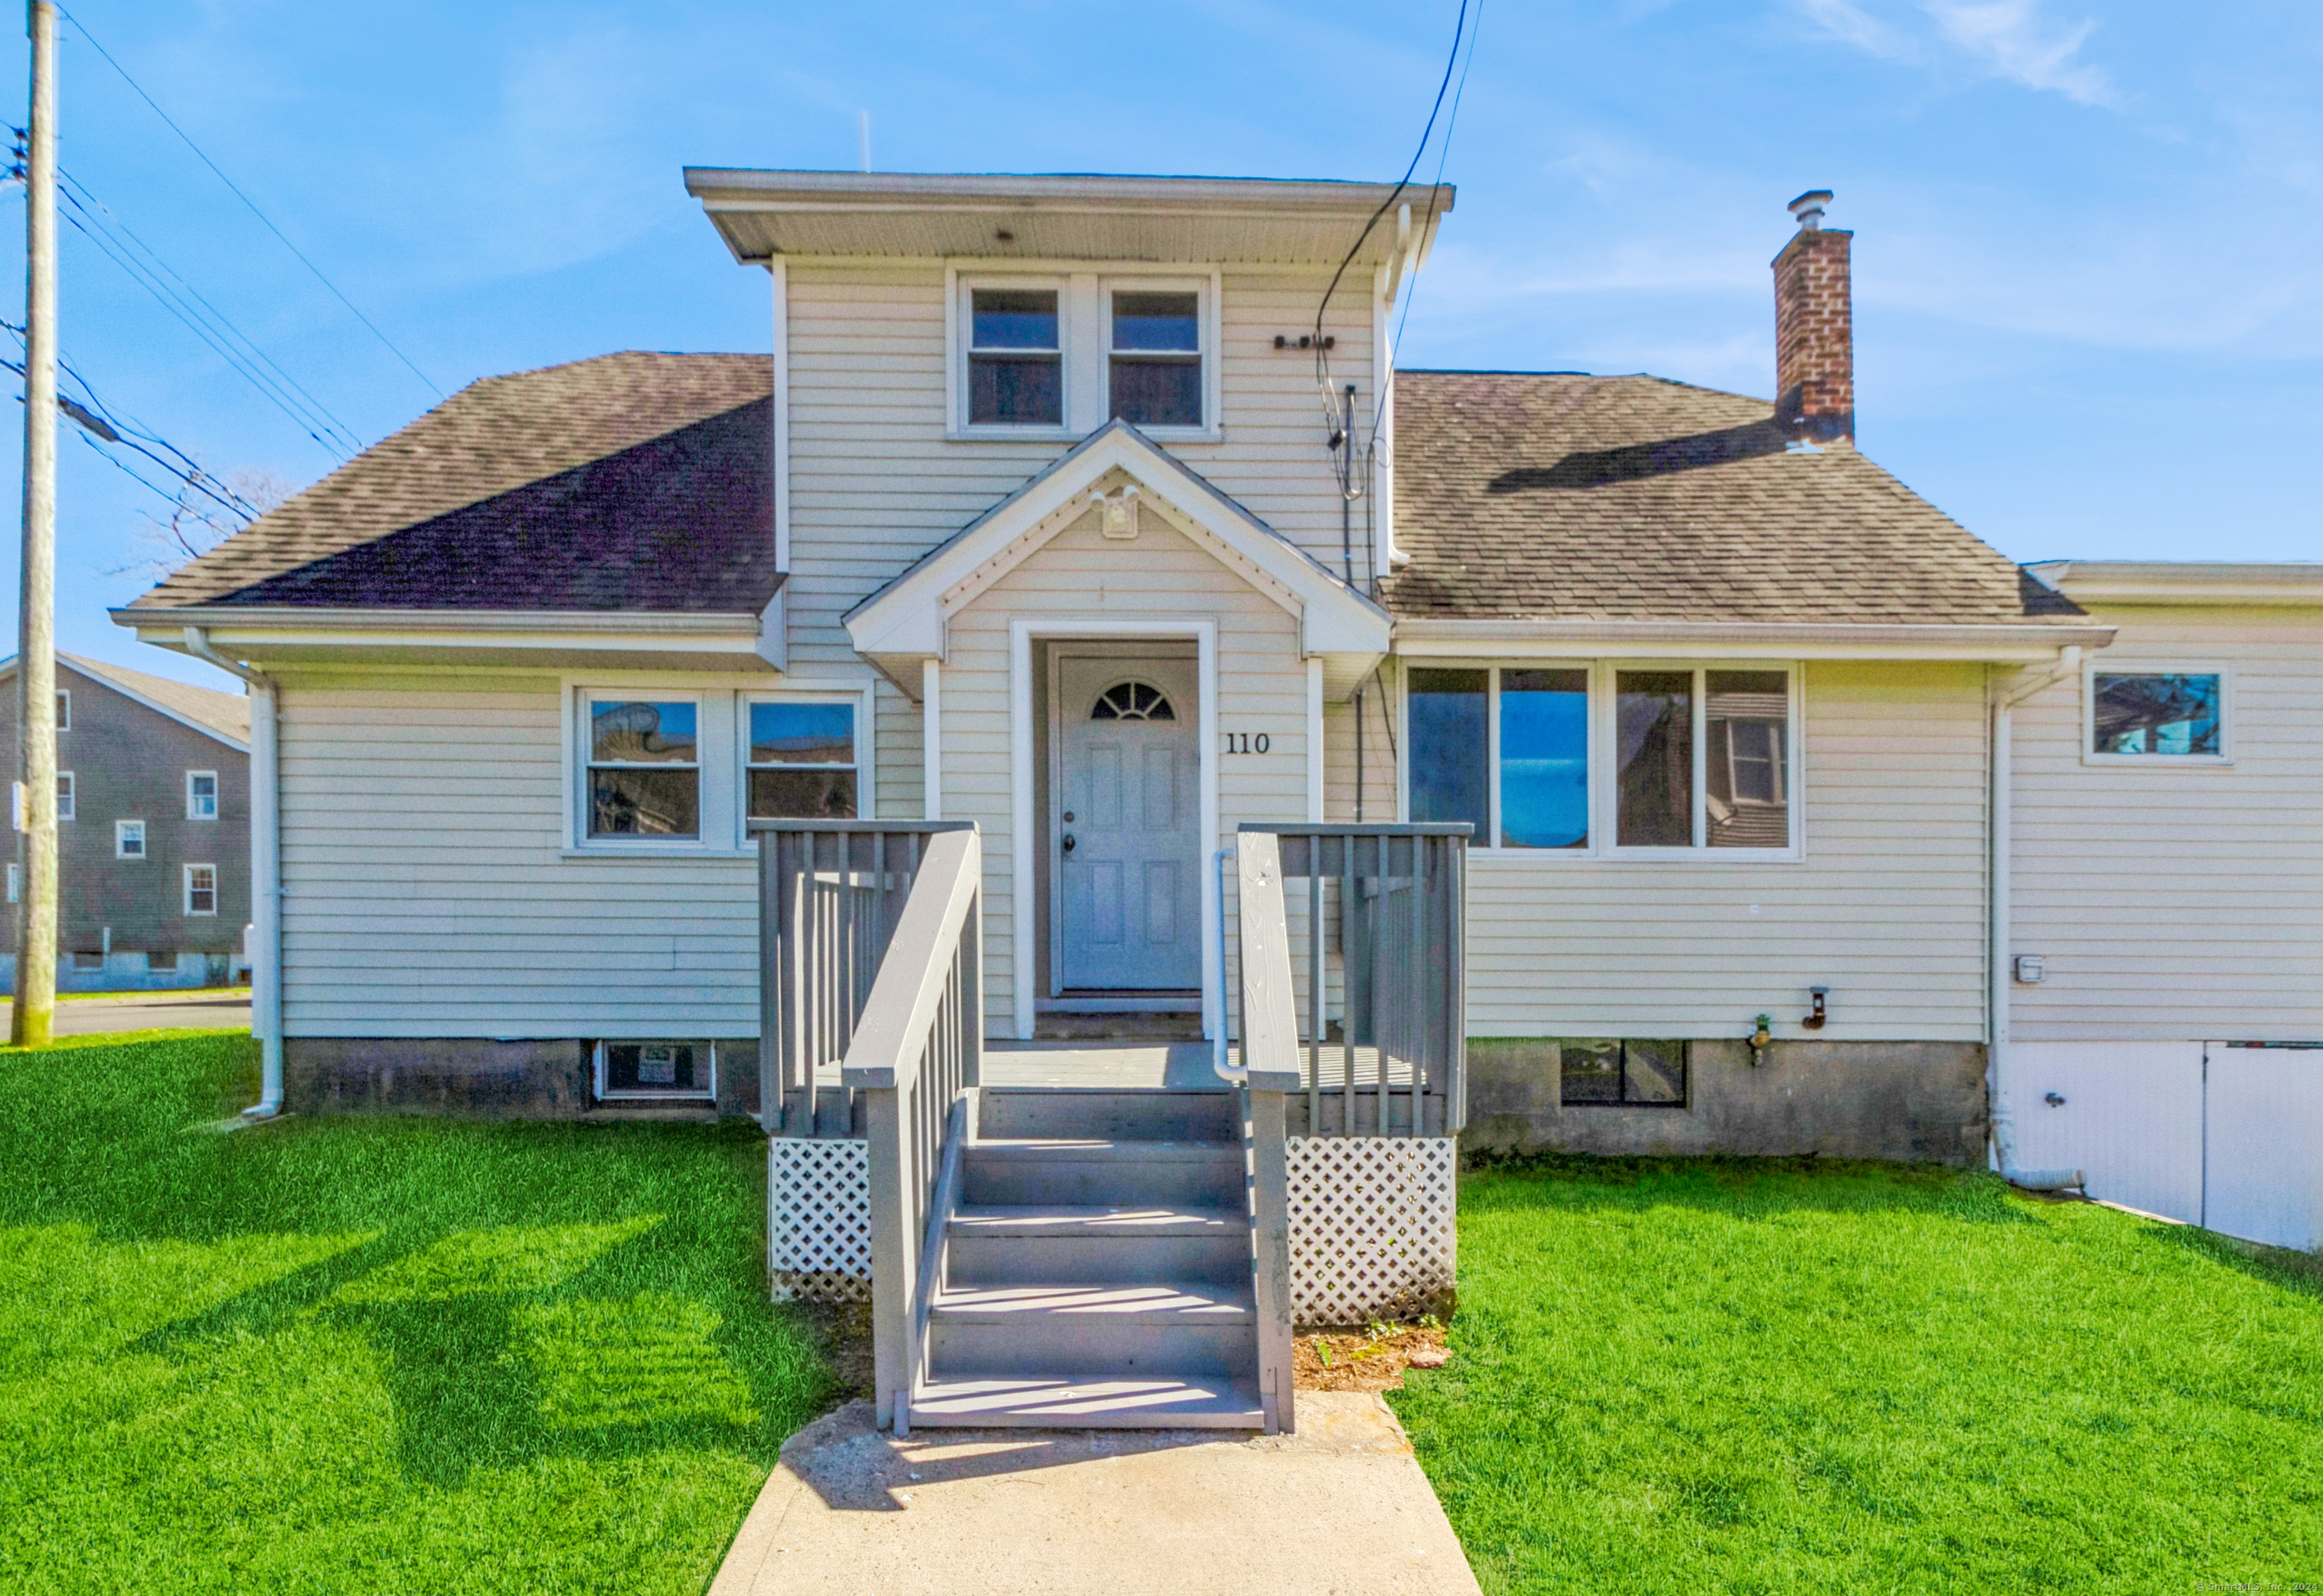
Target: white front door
x=1126, y=830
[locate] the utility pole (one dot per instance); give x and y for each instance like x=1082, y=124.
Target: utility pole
x=36, y=651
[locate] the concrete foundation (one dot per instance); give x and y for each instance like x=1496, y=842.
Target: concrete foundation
x=484, y=1079
x=1911, y=1100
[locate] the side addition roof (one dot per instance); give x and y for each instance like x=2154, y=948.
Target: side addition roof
x=1564, y=498
x=628, y=482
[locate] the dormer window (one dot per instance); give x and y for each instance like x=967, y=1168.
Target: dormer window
x=1156, y=358
x=1015, y=358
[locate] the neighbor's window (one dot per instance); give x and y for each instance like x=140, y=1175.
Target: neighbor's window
x=1642, y=1073
x=64, y=794
x=64, y=709
x=201, y=795
x=645, y=768
x=1015, y=358
x=129, y=839
x=201, y=889
x=1450, y=776
x=1156, y=358
x=16, y=881
x=2174, y=714
x=657, y=1069
x=162, y=963
x=1543, y=758
x=89, y=958
x=802, y=760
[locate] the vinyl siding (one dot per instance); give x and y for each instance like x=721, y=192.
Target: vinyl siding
x=1887, y=908
x=426, y=893
x=2177, y=903
x=1261, y=688
x=875, y=484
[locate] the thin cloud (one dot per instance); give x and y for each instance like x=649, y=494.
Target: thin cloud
x=2006, y=38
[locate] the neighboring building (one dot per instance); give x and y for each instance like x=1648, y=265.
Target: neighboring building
x=1035, y=517
x=152, y=830
x=2165, y=1010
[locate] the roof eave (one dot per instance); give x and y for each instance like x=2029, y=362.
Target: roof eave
x=2183, y=582
x=2013, y=642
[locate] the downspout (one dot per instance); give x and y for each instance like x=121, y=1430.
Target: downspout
x=265, y=870
x=2000, y=1075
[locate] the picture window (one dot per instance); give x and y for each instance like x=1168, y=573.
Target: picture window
x=2158, y=714
x=644, y=769
x=802, y=760
x=1623, y=1072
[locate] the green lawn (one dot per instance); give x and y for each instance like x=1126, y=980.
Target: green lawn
x=1700, y=1376
x=353, y=1356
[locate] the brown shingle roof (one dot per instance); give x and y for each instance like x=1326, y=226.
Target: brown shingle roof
x=1564, y=497
x=630, y=482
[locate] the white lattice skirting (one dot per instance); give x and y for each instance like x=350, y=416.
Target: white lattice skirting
x=1374, y=1230
x=819, y=1218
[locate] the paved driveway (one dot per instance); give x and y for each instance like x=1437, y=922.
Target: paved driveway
x=154, y=1011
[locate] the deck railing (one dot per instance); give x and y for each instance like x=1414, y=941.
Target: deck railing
x=830, y=894
x=1389, y=1057
x=914, y=1057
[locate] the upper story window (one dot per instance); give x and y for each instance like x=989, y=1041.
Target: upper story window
x=801, y=758
x=2167, y=717
x=1572, y=757
x=1015, y=358
x=201, y=795
x=1155, y=357
x=64, y=709
x=129, y=839
x=644, y=768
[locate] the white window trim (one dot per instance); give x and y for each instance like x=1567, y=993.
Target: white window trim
x=866, y=741
x=216, y=797
x=68, y=797
x=1603, y=788
x=1206, y=317
x=718, y=828
x=16, y=881
x=2091, y=669
x=1085, y=340
x=217, y=889
x=688, y=1095
x=64, y=709
x=121, y=833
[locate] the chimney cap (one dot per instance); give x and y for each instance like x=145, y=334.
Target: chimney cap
x=1808, y=208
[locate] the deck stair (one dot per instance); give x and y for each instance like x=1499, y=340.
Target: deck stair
x=1095, y=1271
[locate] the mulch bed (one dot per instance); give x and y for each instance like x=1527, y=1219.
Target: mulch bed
x=1360, y=1361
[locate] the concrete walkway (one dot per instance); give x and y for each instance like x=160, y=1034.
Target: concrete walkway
x=1339, y=1509
x=189, y=1010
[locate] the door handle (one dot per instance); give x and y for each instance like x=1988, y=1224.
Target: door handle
x=1068, y=844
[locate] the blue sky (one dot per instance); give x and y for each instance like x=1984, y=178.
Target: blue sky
x=2087, y=236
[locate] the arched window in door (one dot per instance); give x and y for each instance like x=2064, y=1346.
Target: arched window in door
x=1133, y=701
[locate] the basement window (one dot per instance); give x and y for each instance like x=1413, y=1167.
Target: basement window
x=647, y=1070
x=1622, y=1072
x=162, y=963
x=89, y=958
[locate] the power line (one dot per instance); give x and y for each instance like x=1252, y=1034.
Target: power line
x=77, y=195
x=251, y=204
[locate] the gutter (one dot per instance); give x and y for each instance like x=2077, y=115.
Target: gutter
x=2001, y=1077
x=265, y=869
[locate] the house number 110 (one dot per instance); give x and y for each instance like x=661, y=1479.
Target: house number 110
x=1247, y=742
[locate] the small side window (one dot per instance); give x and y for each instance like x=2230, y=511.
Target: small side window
x=2158, y=714
x=201, y=795
x=129, y=839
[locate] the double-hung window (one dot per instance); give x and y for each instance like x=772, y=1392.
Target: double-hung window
x=644, y=768
x=65, y=796
x=1015, y=358
x=201, y=889
x=1684, y=758
x=2157, y=717
x=201, y=795
x=129, y=839
x=801, y=755
x=1154, y=356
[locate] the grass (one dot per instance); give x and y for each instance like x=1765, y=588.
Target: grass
x=371, y=1355
x=1703, y=1376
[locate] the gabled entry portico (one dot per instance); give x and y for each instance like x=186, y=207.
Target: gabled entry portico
x=1117, y=553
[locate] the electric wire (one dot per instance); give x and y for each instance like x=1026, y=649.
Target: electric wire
x=249, y=203
x=152, y=269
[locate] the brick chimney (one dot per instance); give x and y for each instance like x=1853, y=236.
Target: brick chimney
x=1815, y=328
